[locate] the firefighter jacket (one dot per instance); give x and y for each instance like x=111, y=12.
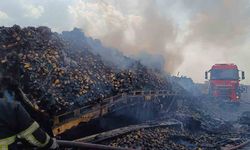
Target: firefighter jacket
x=16, y=123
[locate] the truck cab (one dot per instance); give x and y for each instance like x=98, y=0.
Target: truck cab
x=224, y=81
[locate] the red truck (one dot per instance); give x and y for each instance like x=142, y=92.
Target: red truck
x=224, y=82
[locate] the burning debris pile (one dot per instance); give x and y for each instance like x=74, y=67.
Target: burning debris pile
x=197, y=131
x=173, y=138
x=58, y=74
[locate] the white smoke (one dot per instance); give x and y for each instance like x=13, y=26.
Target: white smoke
x=188, y=34
x=218, y=33
x=147, y=31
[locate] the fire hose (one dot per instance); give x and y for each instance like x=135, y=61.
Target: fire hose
x=72, y=144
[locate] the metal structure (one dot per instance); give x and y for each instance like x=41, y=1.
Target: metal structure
x=85, y=114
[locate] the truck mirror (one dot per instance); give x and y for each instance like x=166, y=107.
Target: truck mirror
x=206, y=75
x=243, y=75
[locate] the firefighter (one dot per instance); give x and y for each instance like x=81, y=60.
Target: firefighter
x=12, y=92
x=17, y=125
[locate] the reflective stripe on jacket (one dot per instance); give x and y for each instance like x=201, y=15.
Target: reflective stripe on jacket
x=15, y=122
x=4, y=143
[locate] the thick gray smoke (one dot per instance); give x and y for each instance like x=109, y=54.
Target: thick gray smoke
x=150, y=31
x=152, y=61
x=218, y=33
x=186, y=33
x=224, y=23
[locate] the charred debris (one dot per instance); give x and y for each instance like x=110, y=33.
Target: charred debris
x=64, y=71
x=61, y=72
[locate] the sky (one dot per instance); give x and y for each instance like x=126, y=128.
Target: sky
x=190, y=35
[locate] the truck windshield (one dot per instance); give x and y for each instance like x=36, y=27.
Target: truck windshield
x=224, y=74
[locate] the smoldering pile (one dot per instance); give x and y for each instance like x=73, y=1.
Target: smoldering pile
x=174, y=139
x=59, y=75
x=197, y=130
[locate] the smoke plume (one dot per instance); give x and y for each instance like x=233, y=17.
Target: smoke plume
x=185, y=33
x=220, y=23
x=150, y=31
x=218, y=33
